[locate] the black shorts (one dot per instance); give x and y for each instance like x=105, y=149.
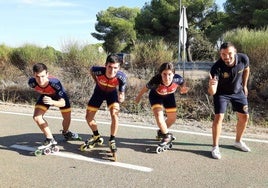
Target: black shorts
x=239, y=103
x=40, y=104
x=99, y=96
x=167, y=101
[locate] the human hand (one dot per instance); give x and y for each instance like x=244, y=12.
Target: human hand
x=48, y=100
x=184, y=89
x=121, y=97
x=212, y=84
x=212, y=81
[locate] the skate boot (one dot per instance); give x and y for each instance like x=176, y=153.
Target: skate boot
x=160, y=135
x=91, y=142
x=68, y=135
x=113, y=149
x=48, y=147
x=165, y=144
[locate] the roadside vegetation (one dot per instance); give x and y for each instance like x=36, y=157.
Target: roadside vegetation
x=71, y=67
x=149, y=45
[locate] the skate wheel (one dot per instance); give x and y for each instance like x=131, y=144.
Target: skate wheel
x=83, y=147
x=38, y=152
x=159, y=149
x=55, y=149
x=100, y=142
x=170, y=146
x=115, y=157
x=47, y=151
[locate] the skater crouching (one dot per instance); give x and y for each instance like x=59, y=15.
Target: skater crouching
x=110, y=87
x=51, y=93
x=162, y=88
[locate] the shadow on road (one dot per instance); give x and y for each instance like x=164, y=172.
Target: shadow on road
x=143, y=145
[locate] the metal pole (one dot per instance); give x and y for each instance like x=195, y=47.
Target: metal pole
x=179, y=45
x=183, y=34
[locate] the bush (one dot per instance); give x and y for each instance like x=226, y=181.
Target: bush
x=75, y=64
x=72, y=66
x=255, y=44
x=148, y=56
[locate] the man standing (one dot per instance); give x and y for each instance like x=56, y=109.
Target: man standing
x=228, y=83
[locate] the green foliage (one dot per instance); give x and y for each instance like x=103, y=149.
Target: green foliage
x=75, y=63
x=213, y=25
x=260, y=18
x=201, y=48
x=4, y=53
x=252, y=42
x=25, y=57
x=161, y=18
x=116, y=28
x=246, y=13
x=255, y=44
x=4, y=59
x=158, y=19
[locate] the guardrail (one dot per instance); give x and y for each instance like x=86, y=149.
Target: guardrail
x=194, y=65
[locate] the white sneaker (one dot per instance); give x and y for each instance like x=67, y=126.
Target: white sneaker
x=242, y=146
x=216, y=154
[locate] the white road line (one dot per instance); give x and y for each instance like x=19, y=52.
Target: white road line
x=88, y=159
x=145, y=127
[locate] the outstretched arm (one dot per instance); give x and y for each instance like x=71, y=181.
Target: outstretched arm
x=143, y=90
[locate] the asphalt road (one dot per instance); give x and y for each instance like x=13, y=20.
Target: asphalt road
x=187, y=164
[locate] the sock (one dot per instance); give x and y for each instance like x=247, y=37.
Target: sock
x=112, y=137
x=96, y=133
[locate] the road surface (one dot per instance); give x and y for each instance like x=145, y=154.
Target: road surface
x=187, y=164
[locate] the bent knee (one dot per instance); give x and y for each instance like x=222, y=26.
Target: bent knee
x=218, y=118
x=38, y=118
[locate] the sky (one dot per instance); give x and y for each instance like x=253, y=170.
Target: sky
x=55, y=23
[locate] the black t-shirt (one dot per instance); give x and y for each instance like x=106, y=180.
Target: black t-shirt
x=230, y=78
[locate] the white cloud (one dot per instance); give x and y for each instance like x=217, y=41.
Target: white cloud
x=48, y=3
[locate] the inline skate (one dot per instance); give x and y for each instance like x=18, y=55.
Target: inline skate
x=113, y=149
x=49, y=146
x=68, y=135
x=165, y=144
x=91, y=142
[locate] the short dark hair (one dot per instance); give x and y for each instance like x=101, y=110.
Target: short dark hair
x=166, y=66
x=112, y=58
x=39, y=67
x=226, y=45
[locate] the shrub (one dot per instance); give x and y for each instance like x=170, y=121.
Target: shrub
x=75, y=64
x=148, y=56
x=255, y=44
